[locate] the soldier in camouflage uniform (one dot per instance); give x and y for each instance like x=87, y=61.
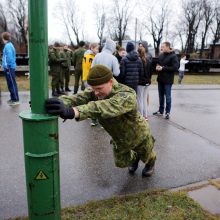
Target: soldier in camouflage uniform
x=66, y=54
x=55, y=61
x=115, y=106
x=77, y=63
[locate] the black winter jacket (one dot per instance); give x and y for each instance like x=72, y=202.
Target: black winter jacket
x=131, y=69
x=170, y=64
x=146, y=78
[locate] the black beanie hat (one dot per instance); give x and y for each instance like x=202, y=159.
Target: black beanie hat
x=81, y=43
x=129, y=47
x=99, y=75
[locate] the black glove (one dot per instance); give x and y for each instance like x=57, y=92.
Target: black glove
x=55, y=106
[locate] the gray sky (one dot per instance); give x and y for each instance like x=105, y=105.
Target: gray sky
x=57, y=31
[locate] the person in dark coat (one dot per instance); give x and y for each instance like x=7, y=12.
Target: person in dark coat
x=131, y=68
x=144, y=83
x=167, y=66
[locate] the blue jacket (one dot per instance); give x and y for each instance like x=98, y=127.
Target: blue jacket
x=9, y=56
x=131, y=69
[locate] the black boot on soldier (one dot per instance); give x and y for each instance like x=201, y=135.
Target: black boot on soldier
x=148, y=169
x=60, y=92
x=67, y=89
x=54, y=93
x=61, y=88
x=133, y=167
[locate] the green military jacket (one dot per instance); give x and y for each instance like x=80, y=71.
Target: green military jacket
x=78, y=58
x=67, y=56
x=55, y=60
x=119, y=116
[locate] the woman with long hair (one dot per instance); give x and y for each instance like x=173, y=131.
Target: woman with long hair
x=144, y=82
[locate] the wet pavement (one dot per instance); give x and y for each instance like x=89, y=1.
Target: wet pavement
x=188, y=148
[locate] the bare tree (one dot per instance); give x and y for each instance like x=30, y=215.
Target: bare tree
x=71, y=19
x=18, y=12
x=121, y=13
x=157, y=19
x=3, y=21
x=215, y=28
x=100, y=21
x=192, y=18
x=208, y=13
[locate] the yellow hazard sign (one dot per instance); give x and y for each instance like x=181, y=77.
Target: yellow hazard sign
x=41, y=176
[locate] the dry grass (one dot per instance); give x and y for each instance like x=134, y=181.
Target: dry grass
x=154, y=205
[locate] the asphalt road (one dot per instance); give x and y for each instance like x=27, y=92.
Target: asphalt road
x=188, y=149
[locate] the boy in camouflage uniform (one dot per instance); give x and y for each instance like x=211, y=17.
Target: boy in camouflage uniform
x=77, y=63
x=66, y=54
x=115, y=106
x=55, y=61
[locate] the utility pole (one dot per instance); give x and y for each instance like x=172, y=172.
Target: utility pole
x=40, y=130
x=135, y=37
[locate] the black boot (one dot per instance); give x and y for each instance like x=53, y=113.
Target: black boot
x=54, y=93
x=61, y=88
x=75, y=89
x=148, y=169
x=133, y=167
x=60, y=92
x=67, y=89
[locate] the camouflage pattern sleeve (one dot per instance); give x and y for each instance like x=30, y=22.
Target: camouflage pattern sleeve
x=53, y=58
x=74, y=59
x=78, y=99
x=117, y=105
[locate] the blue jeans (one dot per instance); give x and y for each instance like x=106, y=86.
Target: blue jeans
x=12, y=85
x=164, y=92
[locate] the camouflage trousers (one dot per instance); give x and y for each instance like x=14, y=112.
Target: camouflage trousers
x=55, y=82
x=125, y=156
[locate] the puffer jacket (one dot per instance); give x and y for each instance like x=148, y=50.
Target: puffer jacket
x=131, y=69
x=170, y=64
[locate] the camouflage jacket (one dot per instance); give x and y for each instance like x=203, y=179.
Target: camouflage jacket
x=55, y=60
x=67, y=56
x=117, y=113
x=78, y=58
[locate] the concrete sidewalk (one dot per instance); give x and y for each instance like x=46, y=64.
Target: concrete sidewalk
x=187, y=146
x=206, y=193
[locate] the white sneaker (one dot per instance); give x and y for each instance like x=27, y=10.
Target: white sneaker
x=14, y=103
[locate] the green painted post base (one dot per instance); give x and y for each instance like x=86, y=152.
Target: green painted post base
x=41, y=152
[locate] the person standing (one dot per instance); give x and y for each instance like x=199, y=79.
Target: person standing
x=121, y=52
x=8, y=66
x=89, y=56
x=77, y=63
x=107, y=58
x=167, y=66
x=66, y=54
x=131, y=68
x=183, y=62
x=86, y=65
x=144, y=83
x=115, y=106
x=55, y=61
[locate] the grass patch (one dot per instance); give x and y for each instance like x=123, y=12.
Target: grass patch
x=24, y=84
x=194, y=79
x=154, y=205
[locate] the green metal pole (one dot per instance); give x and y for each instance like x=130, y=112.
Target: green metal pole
x=40, y=130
